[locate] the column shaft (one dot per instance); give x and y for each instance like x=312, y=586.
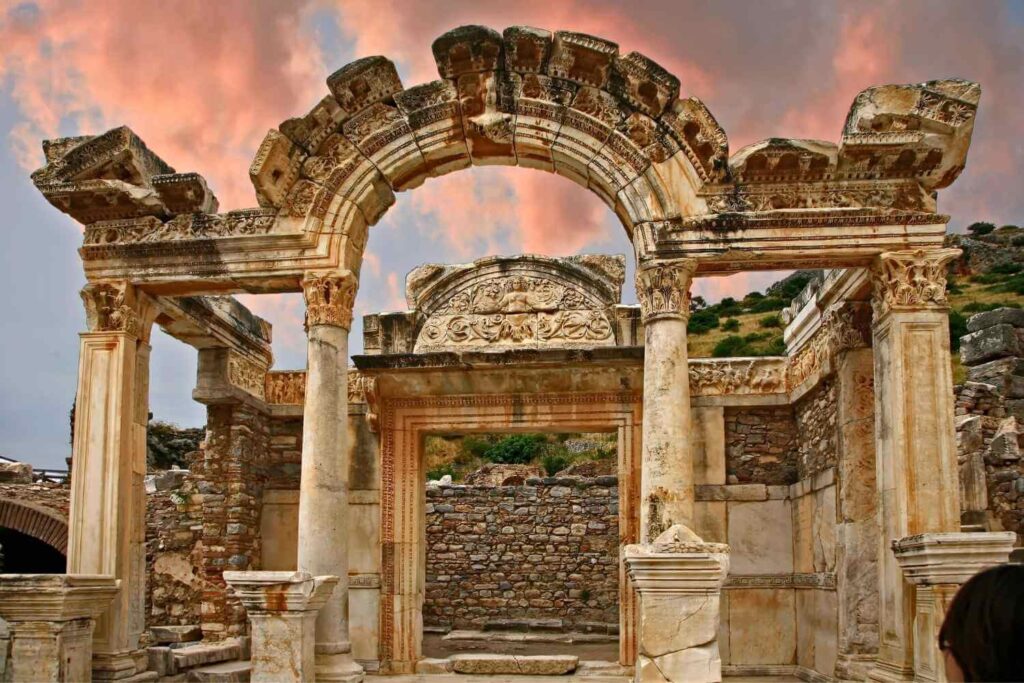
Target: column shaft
x=106, y=530
x=667, y=483
x=916, y=467
x=323, y=489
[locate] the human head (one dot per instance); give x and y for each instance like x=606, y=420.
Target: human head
x=983, y=632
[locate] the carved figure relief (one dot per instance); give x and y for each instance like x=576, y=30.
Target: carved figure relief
x=285, y=388
x=762, y=376
x=247, y=375
x=517, y=309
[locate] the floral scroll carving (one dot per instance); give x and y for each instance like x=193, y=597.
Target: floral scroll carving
x=910, y=279
x=663, y=289
x=843, y=327
x=329, y=298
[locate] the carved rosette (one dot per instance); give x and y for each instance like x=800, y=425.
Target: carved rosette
x=910, y=280
x=113, y=307
x=329, y=298
x=663, y=288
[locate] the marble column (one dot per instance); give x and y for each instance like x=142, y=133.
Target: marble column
x=323, y=487
x=915, y=448
x=106, y=528
x=679, y=578
x=282, y=608
x=937, y=564
x=51, y=619
x=667, y=478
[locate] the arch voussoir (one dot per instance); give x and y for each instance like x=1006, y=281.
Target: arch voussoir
x=42, y=525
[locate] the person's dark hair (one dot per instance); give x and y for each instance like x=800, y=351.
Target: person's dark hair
x=984, y=626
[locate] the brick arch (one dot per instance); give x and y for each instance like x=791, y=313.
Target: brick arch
x=35, y=521
x=562, y=102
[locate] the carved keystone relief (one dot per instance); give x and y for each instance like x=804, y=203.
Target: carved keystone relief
x=521, y=302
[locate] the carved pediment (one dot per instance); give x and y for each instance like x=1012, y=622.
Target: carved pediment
x=518, y=302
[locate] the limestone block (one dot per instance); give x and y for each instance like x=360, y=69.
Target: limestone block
x=15, y=473
x=1005, y=374
x=762, y=626
x=175, y=633
x=533, y=665
x=997, y=341
x=433, y=666
x=1005, y=445
x=1000, y=316
x=760, y=537
x=701, y=664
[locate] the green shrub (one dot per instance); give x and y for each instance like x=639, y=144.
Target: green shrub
x=1006, y=268
x=729, y=346
x=980, y=228
x=440, y=471
x=957, y=329
x=517, y=449
x=978, y=307
x=731, y=325
x=1018, y=241
x=770, y=321
x=475, y=446
x=754, y=344
x=553, y=463
x=768, y=304
x=702, y=321
x=728, y=307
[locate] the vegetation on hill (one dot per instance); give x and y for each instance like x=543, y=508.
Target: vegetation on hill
x=462, y=454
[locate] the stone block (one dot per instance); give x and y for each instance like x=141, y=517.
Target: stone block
x=15, y=473
x=225, y=672
x=433, y=666
x=534, y=665
x=760, y=536
x=193, y=656
x=1000, y=316
x=997, y=341
x=762, y=627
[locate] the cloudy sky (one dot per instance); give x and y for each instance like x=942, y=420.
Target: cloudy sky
x=201, y=82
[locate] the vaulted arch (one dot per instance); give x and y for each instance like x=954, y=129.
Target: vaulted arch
x=35, y=521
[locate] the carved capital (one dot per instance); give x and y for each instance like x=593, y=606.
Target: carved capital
x=329, y=298
x=663, y=288
x=846, y=326
x=116, y=307
x=910, y=279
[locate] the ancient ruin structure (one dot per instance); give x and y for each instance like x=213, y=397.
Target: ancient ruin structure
x=802, y=511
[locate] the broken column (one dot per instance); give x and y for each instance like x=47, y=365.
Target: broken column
x=916, y=467
x=51, y=619
x=282, y=608
x=667, y=484
x=679, y=578
x=323, y=487
x=938, y=564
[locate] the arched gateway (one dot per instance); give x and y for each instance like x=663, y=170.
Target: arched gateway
x=155, y=248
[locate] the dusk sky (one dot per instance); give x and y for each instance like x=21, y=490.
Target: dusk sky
x=201, y=82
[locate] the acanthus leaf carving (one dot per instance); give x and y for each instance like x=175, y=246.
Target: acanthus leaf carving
x=109, y=308
x=663, y=288
x=330, y=298
x=910, y=279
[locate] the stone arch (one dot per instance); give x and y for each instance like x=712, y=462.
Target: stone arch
x=35, y=521
x=562, y=102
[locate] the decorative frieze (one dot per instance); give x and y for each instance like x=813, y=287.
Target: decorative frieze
x=247, y=375
x=843, y=327
x=285, y=387
x=188, y=226
x=329, y=298
x=731, y=377
x=663, y=289
x=910, y=279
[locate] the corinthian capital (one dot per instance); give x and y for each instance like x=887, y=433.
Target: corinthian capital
x=910, y=279
x=115, y=307
x=329, y=298
x=663, y=288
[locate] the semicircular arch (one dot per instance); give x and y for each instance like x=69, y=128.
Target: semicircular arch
x=562, y=102
x=35, y=521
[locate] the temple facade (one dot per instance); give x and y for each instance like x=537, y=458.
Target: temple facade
x=796, y=515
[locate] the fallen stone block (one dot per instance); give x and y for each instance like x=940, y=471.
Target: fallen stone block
x=176, y=634
x=225, y=672
x=1000, y=316
x=201, y=655
x=998, y=341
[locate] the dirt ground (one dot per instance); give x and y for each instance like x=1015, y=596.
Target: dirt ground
x=435, y=647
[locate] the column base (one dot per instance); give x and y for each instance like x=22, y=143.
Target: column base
x=883, y=672
x=853, y=667
x=338, y=667
x=119, y=666
x=679, y=579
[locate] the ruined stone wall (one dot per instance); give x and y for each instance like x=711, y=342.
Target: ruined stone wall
x=545, y=550
x=816, y=414
x=284, y=464
x=55, y=497
x=989, y=414
x=174, y=525
x=761, y=445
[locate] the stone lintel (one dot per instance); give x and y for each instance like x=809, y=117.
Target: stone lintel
x=952, y=557
x=274, y=592
x=55, y=597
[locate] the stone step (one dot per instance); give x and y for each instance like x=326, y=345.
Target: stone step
x=528, y=665
x=225, y=672
x=203, y=654
x=164, y=635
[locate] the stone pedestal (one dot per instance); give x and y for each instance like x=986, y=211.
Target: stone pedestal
x=106, y=525
x=679, y=578
x=323, y=488
x=937, y=564
x=916, y=466
x=51, y=618
x=282, y=608
x=666, y=480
